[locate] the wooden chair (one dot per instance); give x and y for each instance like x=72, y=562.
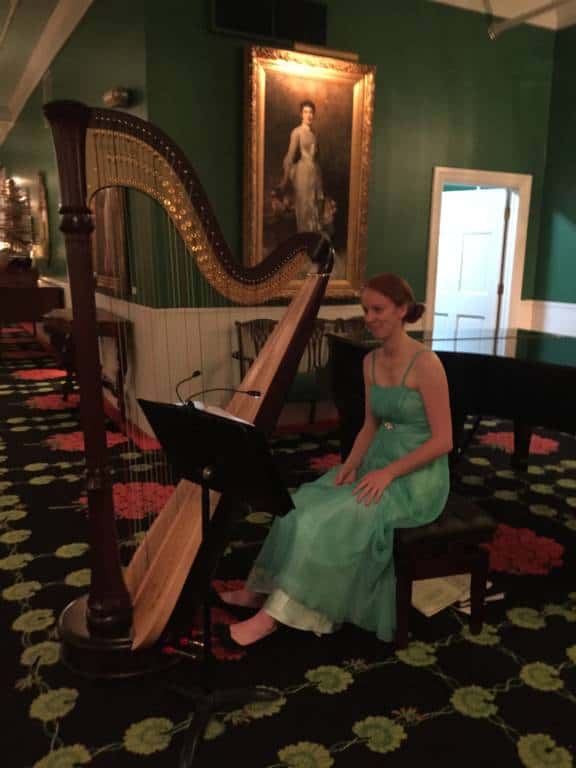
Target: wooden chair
x=450, y=545
x=311, y=383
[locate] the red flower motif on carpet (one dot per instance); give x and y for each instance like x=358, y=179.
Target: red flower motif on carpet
x=39, y=374
x=74, y=441
x=329, y=460
x=52, y=402
x=520, y=551
x=505, y=441
x=135, y=501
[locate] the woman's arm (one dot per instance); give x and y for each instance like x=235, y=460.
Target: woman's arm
x=347, y=473
x=432, y=383
x=290, y=155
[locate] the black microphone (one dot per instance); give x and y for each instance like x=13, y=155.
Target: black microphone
x=188, y=378
x=251, y=392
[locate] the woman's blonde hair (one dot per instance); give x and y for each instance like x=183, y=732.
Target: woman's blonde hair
x=398, y=291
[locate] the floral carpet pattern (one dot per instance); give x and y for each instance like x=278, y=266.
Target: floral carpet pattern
x=507, y=695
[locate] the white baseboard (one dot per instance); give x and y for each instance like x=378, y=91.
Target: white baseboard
x=554, y=317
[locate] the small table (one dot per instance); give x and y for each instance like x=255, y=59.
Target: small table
x=58, y=325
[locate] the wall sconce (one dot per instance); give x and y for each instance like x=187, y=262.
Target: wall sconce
x=117, y=97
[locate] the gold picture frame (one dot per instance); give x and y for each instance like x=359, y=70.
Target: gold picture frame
x=307, y=157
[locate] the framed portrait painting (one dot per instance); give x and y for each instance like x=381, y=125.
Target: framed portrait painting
x=308, y=135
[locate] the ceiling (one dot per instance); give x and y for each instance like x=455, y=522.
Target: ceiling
x=33, y=31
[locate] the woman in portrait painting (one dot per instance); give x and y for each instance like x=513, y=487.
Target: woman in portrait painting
x=302, y=170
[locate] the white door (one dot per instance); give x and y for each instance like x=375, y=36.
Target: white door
x=470, y=247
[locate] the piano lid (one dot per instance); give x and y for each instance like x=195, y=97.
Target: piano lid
x=515, y=343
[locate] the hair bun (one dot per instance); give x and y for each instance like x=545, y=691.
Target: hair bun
x=415, y=312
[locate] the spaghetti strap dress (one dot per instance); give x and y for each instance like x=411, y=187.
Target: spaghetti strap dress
x=330, y=559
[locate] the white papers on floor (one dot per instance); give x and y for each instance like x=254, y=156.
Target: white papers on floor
x=429, y=596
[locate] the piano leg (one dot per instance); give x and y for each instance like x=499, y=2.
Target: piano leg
x=522, y=436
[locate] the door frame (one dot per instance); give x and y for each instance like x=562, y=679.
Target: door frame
x=514, y=273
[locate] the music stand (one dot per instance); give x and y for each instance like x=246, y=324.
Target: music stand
x=222, y=453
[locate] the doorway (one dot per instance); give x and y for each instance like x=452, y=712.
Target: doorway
x=479, y=222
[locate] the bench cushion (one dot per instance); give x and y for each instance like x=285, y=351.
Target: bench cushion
x=462, y=521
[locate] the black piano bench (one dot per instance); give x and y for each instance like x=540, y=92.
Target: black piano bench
x=448, y=546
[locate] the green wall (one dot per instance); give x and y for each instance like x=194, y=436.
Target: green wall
x=556, y=275
x=445, y=95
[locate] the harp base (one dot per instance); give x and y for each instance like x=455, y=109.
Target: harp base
x=97, y=657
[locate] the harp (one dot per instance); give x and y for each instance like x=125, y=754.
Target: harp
x=127, y=610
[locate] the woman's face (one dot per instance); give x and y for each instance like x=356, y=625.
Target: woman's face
x=307, y=115
x=382, y=316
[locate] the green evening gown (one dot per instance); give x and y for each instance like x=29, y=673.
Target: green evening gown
x=330, y=560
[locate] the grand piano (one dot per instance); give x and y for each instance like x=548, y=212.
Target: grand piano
x=526, y=376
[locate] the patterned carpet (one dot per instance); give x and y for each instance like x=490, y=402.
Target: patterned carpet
x=506, y=696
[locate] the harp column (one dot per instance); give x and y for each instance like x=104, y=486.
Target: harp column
x=107, y=611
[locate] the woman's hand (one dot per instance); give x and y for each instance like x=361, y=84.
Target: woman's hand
x=345, y=475
x=373, y=485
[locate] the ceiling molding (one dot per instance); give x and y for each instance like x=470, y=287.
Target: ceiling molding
x=61, y=24
x=509, y=9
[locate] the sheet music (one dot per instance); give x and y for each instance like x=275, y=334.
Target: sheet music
x=217, y=411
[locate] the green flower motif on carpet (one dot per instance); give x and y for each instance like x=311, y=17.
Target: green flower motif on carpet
x=20, y=429
x=21, y=591
x=54, y=704
x=571, y=524
x=538, y=750
x=330, y=679
x=5, y=485
x=12, y=514
x=214, y=729
x=15, y=562
x=474, y=701
x=9, y=501
x=542, y=488
x=42, y=480
x=258, y=709
x=79, y=578
x=472, y=479
x=571, y=653
x=382, y=734
x=34, y=621
x=566, y=482
x=571, y=501
x=560, y=610
x=148, y=736
x=541, y=676
x=568, y=463
x=305, y=754
x=43, y=654
x=533, y=469
x=508, y=474
x=72, y=550
x=16, y=420
x=506, y=495
x=418, y=654
x=488, y=636
x=527, y=618
x=65, y=757
x=258, y=518
x=15, y=537
x=479, y=461
x=35, y=467
x=553, y=468
x=542, y=510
